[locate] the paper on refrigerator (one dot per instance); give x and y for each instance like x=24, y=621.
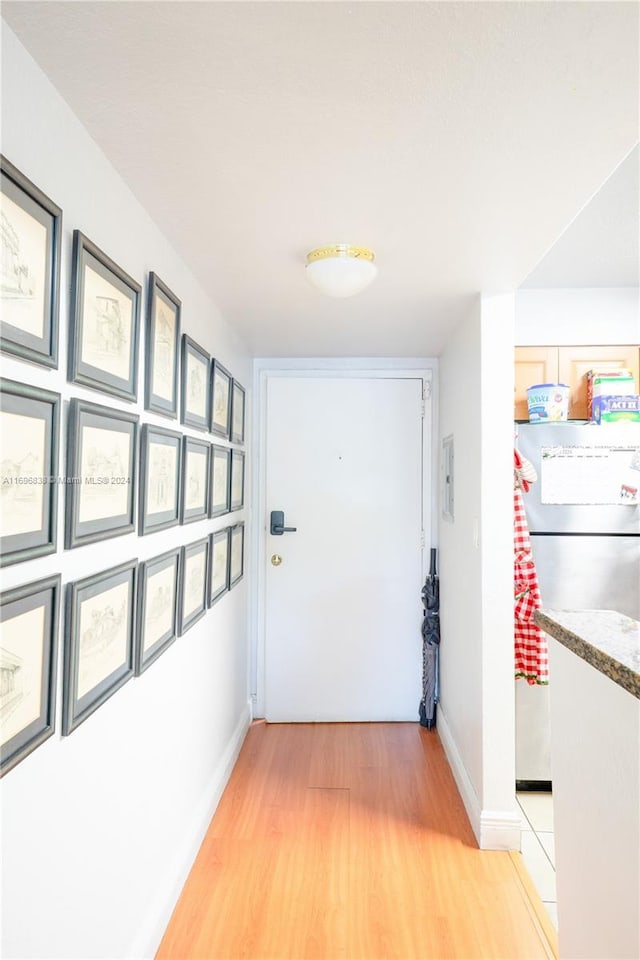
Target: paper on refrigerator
x=600, y=475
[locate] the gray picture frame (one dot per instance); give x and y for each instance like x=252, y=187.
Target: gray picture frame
x=190, y=513
x=83, y=663
x=169, y=561
x=150, y=522
x=110, y=348
x=218, y=537
x=99, y=473
x=236, y=573
x=158, y=341
x=19, y=484
x=25, y=662
x=201, y=360
x=238, y=412
x=236, y=500
x=187, y=619
x=35, y=206
x=219, y=494
x=221, y=381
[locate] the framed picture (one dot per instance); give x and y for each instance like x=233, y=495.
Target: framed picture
x=28, y=658
x=30, y=431
x=220, y=479
x=196, y=456
x=218, y=564
x=160, y=472
x=220, y=400
x=237, y=479
x=193, y=584
x=237, y=413
x=157, y=608
x=236, y=553
x=99, y=641
x=161, y=354
x=101, y=473
x=105, y=314
x=194, y=409
x=30, y=279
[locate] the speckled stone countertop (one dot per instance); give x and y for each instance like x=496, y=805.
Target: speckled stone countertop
x=607, y=640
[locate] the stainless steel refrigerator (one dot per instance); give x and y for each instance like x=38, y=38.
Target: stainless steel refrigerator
x=584, y=521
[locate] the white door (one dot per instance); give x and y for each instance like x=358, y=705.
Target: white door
x=343, y=608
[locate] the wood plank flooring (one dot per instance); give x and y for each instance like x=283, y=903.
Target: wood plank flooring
x=348, y=842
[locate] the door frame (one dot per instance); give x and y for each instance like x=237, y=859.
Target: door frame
x=425, y=369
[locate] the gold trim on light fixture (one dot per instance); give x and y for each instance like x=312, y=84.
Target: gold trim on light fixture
x=340, y=250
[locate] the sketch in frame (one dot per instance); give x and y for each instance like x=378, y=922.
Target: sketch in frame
x=195, y=480
x=236, y=554
x=237, y=412
x=105, y=315
x=194, y=408
x=220, y=481
x=220, y=400
x=193, y=584
x=237, y=480
x=99, y=641
x=157, y=608
x=101, y=473
x=30, y=430
x=162, y=349
x=218, y=564
x=30, y=234
x=28, y=658
x=160, y=472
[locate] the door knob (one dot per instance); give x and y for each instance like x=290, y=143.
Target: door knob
x=277, y=527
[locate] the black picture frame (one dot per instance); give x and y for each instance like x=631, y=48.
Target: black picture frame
x=220, y=400
x=190, y=586
x=195, y=385
x=236, y=483
x=220, y=483
x=218, y=581
x=28, y=471
x=157, y=609
x=238, y=397
x=101, y=467
x=236, y=554
x=99, y=613
x=99, y=356
x=160, y=480
x=22, y=663
x=31, y=272
x=162, y=353
x=194, y=503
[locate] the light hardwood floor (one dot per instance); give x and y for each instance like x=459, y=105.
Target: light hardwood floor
x=348, y=842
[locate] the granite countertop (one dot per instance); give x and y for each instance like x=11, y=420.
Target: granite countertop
x=607, y=640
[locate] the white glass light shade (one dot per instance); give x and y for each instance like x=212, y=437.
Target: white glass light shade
x=341, y=270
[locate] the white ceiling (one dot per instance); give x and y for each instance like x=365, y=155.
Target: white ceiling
x=601, y=247
x=456, y=139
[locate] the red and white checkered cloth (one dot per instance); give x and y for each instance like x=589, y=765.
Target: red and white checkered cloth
x=531, y=649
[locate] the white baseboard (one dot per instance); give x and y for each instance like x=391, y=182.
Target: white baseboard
x=493, y=829
x=155, y=923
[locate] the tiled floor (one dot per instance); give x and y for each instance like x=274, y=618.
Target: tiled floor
x=537, y=847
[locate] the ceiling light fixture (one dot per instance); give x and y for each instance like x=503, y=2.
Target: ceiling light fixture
x=341, y=270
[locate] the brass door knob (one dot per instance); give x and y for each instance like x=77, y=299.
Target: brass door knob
x=276, y=559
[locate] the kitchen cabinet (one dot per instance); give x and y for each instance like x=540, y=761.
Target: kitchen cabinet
x=554, y=364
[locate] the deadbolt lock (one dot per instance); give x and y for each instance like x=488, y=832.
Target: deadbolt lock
x=276, y=559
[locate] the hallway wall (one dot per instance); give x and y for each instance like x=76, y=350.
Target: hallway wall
x=100, y=827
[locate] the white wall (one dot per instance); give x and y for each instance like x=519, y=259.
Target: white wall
x=100, y=828
x=476, y=569
x=598, y=315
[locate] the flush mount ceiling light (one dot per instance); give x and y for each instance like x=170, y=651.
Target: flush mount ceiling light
x=341, y=270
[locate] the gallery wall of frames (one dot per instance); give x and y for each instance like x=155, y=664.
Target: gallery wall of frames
x=149, y=435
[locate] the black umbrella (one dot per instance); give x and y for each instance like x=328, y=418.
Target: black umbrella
x=430, y=646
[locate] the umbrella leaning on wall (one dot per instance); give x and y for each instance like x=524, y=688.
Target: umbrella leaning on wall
x=430, y=646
